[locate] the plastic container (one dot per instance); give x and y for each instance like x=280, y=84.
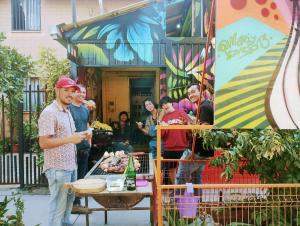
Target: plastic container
x=115, y=182
x=187, y=205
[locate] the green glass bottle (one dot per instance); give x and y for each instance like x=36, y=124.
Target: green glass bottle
x=130, y=175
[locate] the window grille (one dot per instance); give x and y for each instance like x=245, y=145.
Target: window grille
x=26, y=15
x=34, y=94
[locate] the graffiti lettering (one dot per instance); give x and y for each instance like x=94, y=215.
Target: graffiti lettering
x=240, y=46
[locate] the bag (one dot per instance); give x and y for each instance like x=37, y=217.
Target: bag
x=203, y=150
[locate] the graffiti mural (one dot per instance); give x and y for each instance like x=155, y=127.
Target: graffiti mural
x=131, y=39
x=139, y=38
x=257, y=55
x=186, y=67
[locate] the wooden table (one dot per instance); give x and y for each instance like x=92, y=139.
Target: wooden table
x=118, y=199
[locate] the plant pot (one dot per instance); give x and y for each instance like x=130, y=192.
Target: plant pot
x=15, y=148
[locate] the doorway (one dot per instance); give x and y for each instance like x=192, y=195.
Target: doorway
x=125, y=91
x=140, y=89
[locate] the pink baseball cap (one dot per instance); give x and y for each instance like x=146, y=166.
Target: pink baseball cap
x=66, y=82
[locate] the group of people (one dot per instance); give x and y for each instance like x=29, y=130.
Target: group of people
x=65, y=137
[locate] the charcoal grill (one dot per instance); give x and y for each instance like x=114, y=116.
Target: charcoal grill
x=146, y=168
x=124, y=200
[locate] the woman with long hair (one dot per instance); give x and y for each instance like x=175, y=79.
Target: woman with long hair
x=154, y=116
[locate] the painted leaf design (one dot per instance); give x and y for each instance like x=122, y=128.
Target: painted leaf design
x=192, y=63
x=122, y=53
x=79, y=33
x=180, y=61
x=174, y=57
x=174, y=69
x=141, y=33
x=86, y=50
x=112, y=38
x=188, y=55
x=106, y=29
x=91, y=32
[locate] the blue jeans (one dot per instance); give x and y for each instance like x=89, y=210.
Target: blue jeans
x=190, y=171
x=82, y=162
x=61, y=199
x=152, y=147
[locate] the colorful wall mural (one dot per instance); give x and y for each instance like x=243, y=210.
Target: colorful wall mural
x=257, y=55
x=132, y=38
x=138, y=39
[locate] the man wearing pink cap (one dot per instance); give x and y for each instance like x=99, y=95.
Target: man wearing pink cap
x=57, y=137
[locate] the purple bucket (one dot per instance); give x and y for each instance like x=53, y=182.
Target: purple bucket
x=187, y=205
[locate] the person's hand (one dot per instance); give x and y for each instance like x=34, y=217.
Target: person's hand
x=115, y=125
x=90, y=104
x=88, y=134
x=77, y=138
x=140, y=125
x=192, y=119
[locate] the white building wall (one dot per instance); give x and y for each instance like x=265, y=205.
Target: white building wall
x=53, y=12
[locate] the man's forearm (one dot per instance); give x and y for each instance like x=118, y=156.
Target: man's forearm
x=50, y=142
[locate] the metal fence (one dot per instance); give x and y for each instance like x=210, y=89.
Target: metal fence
x=209, y=200
x=230, y=204
x=19, y=159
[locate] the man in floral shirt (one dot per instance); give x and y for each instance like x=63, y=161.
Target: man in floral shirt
x=57, y=138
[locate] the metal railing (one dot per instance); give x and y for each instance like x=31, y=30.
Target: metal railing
x=245, y=203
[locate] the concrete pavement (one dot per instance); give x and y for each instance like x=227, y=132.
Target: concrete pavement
x=36, y=210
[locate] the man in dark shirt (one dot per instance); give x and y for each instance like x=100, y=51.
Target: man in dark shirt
x=80, y=115
x=192, y=171
x=190, y=105
x=121, y=131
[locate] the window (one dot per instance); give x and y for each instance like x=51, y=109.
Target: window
x=26, y=15
x=185, y=18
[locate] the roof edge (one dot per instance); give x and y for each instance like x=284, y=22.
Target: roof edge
x=114, y=13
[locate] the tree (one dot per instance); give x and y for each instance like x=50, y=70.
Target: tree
x=51, y=69
x=14, y=68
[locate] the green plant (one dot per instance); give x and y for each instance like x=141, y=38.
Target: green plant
x=50, y=69
x=14, y=68
x=273, y=155
x=30, y=131
x=4, y=145
x=172, y=217
x=15, y=219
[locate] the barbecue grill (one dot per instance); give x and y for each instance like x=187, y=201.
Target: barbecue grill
x=125, y=200
x=144, y=170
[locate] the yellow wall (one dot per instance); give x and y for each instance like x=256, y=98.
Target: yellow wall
x=115, y=91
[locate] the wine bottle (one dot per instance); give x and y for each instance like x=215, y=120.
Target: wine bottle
x=130, y=175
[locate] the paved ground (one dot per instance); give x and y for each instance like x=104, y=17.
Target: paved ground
x=36, y=210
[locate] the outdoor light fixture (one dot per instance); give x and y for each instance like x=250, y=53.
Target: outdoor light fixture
x=178, y=26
